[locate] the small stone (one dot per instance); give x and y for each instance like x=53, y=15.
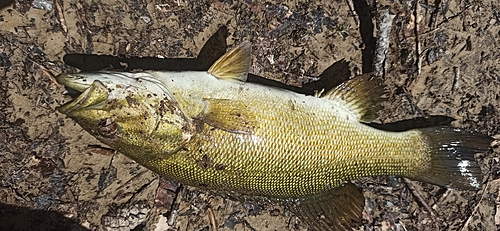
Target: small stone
x=134, y=211
x=42, y=4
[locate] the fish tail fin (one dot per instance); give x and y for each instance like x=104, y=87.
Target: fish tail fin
x=452, y=161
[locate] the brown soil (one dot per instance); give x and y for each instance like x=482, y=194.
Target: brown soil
x=443, y=67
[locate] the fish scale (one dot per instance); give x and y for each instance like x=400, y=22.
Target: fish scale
x=325, y=155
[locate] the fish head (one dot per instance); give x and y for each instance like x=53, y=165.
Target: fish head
x=131, y=112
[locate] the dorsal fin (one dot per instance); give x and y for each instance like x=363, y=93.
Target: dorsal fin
x=234, y=64
x=362, y=94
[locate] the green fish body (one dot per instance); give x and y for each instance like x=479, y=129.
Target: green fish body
x=216, y=131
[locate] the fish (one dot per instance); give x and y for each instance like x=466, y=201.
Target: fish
x=216, y=131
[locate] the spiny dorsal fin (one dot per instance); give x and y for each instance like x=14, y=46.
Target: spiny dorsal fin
x=337, y=209
x=363, y=95
x=234, y=64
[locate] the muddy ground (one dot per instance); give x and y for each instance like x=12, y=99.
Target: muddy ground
x=442, y=67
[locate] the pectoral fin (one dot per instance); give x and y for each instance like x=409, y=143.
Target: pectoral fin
x=363, y=95
x=234, y=64
x=338, y=209
x=229, y=115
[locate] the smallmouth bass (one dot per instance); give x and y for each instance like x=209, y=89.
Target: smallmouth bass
x=214, y=130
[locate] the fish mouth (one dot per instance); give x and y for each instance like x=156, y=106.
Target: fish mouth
x=73, y=83
x=85, y=95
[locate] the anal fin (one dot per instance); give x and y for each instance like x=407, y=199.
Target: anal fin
x=337, y=209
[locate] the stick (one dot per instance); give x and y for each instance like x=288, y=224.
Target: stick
x=353, y=12
x=419, y=197
x=471, y=217
x=384, y=24
x=61, y=17
x=417, y=41
x=456, y=79
x=211, y=217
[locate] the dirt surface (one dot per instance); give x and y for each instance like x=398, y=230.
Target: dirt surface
x=443, y=67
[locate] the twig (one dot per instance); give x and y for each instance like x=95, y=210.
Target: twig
x=457, y=15
x=50, y=75
x=248, y=225
x=476, y=207
x=413, y=103
x=174, y=209
x=61, y=17
x=419, y=197
x=456, y=78
x=445, y=7
x=434, y=14
x=353, y=12
x=211, y=217
x=417, y=41
x=420, y=57
x=403, y=225
x=384, y=24
x=45, y=71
